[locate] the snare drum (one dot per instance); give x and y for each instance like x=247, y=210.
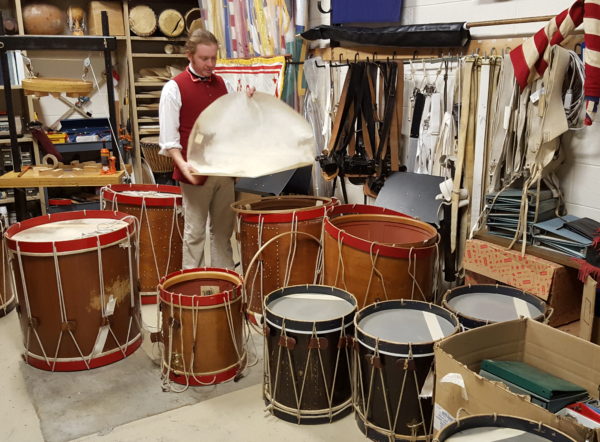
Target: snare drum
x=393, y=362
x=497, y=427
x=202, y=331
x=158, y=163
x=307, y=364
x=287, y=231
x=7, y=291
x=159, y=212
x=142, y=20
x=76, y=278
x=171, y=23
x=378, y=254
x=477, y=305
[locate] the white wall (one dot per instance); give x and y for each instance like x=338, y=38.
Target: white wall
x=581, y=172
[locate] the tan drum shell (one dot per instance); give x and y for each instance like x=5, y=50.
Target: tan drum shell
x=142, y=20
x=213, y=350
x=356, y=272
x=80, y=285
x=165, y=24
x=7, y=292
x=158, y=163
x=274, y=257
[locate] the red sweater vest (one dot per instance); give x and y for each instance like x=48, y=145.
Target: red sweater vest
x=196, y=95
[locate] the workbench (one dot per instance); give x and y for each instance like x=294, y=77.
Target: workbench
x=12, y=180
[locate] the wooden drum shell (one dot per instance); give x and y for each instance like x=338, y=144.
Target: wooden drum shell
x=7, y=291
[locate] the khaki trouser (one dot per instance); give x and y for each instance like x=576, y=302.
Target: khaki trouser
x=213, y=198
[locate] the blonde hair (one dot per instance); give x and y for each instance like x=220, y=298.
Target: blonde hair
x=199, y=37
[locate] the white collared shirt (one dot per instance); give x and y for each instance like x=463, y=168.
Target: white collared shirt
x=168, y=115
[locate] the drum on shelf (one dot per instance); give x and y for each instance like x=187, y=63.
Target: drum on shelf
x=497, y=427
x=171, y=23
x=158, y=163
x=308, y=331
x=7, y=291
x=478, y=305
x=193, y=20
x=396, y=254
x=75, y=275
x=287, y=231
x=393, y=360
x=202, y=329
x=142, y=20
x=160, y=215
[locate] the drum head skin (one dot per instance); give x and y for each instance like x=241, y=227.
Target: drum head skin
x=495, y=434
x=406, y=326
x=310, y=307
x=69, y=230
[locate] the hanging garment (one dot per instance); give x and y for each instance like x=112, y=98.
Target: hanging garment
x=531, y=59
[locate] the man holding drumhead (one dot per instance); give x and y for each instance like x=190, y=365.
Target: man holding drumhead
x=182, y=100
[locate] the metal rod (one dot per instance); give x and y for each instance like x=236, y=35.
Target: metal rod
x=508, y=21
x=19, y=194
x=111, y=95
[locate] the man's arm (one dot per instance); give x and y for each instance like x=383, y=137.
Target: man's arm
x=186, y=168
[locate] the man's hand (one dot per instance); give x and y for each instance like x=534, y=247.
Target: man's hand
x=186, y=168
x=250, y=91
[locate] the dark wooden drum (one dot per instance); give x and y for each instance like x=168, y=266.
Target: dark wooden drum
x=393, y=360
x=308, y=330
x=158, y=209
x=378, y=254
x=202, y=331
x=499, y=428
x=477, y=305
x=76, y=280
x=7, y=290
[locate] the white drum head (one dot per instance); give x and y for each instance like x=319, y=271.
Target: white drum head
x=69, y=230
x=310, y=307
x=148, y=194
x=405, y=325
x=493, y=307
x=495, y=434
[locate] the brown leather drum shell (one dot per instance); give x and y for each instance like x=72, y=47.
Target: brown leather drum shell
x=81, y=288
x=212, y=350
x=274, y=257
x=155, y=228
x=7, y=294
x=355, y=274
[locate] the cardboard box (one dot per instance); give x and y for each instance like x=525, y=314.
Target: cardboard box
x=552, y=282
x=459, y=386
x=115, y=17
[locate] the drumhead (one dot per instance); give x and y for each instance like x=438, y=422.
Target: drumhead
x=69, y=230
x=311, y=307
x=493, y=307
x=495, y=434
x=406, y=325
x=149, y=194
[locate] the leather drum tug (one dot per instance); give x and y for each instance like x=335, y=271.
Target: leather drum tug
x=308, y=331
x=202, y=329
x=484, y=427
x=76, y=282
x=158, y=208
x=7, y=289
x=393, y=360
x=478, y=305
x=287, y=232
x=378, y=254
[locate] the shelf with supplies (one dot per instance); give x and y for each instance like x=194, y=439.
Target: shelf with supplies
x=11, y=200
x=22, y=139
x=159, y=39
x=149, y=83
x=157, y=55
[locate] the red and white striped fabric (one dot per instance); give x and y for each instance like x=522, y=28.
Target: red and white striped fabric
x=266, y=74
x=530, y=60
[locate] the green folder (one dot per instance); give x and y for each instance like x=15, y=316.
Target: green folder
x=532, y=379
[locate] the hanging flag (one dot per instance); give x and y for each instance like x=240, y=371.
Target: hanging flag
x=265, y=74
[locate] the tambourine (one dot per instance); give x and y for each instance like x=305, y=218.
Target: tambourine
x=142, y=21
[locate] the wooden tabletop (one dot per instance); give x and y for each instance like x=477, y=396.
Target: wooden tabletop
x=11, y=180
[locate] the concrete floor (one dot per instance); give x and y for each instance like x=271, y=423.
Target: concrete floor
x=28, y=412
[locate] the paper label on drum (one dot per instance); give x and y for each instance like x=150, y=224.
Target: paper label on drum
x=101, y=340
x=521, y=307
x=441, y=417
x=433, y=324
x=209, y=290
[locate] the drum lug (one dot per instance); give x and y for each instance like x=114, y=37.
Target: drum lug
x=33, y=322
x=70, y=325
x=176, y=361
x=345, y=342
x=266, y=330
x=375, y=361
x=155, y=337
x=406, y=364
x=174, y=323
x=320, y=343
x=287, y=342
x=105, y=321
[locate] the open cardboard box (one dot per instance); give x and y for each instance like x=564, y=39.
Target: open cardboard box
x=458, y=385
x=552, y=282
